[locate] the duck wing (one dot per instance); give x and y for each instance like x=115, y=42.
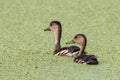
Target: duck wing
x=72, y=49
x=86, y=59
x=68, y=51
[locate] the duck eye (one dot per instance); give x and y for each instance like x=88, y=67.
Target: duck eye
x=51, y=24
x=75, y=36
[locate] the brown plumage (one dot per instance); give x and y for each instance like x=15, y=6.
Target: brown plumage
x=56, y=28
x=82, y=56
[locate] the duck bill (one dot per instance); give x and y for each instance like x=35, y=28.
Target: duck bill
x=47, y=29
x=70, y=42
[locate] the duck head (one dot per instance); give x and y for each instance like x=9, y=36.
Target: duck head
x=81, y=40
x=78, y=38
x=54, y=26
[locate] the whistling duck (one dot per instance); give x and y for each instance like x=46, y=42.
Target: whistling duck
x=56, y=28
x=82, y=56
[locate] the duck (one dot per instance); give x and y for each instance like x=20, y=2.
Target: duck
x=56, y=28
x=82, y=57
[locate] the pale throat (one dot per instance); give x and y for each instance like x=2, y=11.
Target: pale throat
x=57, y=40
x=82, y=47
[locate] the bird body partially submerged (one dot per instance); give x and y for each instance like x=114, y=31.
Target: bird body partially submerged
x=71, y=51
x=56, y=28
x=82, y=57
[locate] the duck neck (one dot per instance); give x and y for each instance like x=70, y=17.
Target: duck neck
x=57, y=40
x=82, y=47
